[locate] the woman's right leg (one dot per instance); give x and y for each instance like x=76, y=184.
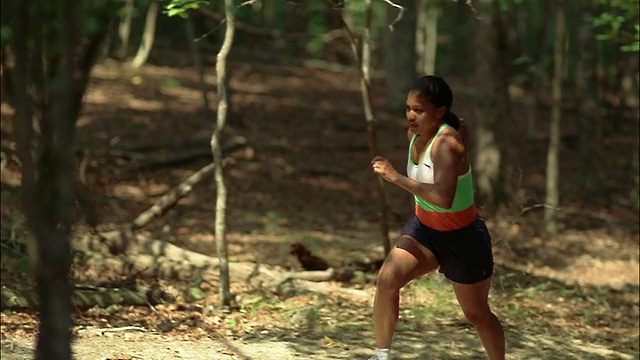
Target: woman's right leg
x=406, y=261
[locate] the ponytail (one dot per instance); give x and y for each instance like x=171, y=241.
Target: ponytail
x=455, y=122
x=451, y=119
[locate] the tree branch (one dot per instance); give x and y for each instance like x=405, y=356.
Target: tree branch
x=400, y=13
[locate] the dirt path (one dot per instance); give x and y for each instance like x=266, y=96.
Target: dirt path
x=451, y=342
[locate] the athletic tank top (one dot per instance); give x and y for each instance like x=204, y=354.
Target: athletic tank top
x=462, y=212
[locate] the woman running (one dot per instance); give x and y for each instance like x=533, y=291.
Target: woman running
x=446, y=231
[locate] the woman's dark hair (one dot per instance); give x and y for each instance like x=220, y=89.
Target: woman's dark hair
x=438, y=92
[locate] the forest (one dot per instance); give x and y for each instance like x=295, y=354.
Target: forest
x=191, y=179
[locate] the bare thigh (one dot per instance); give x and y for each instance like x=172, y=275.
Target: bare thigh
x=473, y=299
x=408, y=260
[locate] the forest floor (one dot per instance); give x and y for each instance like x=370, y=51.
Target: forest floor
x=306, y=179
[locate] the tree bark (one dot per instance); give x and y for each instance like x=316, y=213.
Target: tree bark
x=52, y=59
x=433, y=13
x=221, y=191
x=197, y=61
x=492, y=117
x=590, y=134
x=124, y=30
x=148, y=36
x=365, y=86
x=421, y=41
x=364, y=63
x=538, y=45
x=400, y=54
x=553, y=153
x=427, y=36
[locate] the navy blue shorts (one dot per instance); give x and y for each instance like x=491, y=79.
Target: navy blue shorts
x=464, y=255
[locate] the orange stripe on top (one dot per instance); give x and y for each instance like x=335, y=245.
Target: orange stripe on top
x=447, y=221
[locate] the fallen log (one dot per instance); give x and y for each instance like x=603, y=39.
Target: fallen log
x=259, y=275
x=331, y=274
x=137, y=244
x=171, y=198
x=231, y=145
x=167, y=268
x=120, y=240
x=85, y=297
x=290, y=287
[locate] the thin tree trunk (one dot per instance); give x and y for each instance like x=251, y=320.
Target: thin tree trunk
x=553, y=194
x=492, y=130
x=124, y=30
x=148, y=36
x=431, y=39
x=538, y=42
x=400, y=54
x=221, y=190
x=421, y=32
x=197, y=61
x=365, y=83
x=590, y=141
x=364, y=64
x=487, y=158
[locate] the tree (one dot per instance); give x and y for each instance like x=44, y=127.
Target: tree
x=48, y=57
x=590, y=123
x=197, y=62
x=221, y=199
x=492, y=166
x=180, y=8
x=400, y=53
x=553, y=194
x=124, y=29
x=363, y=60
x=427, y=35
x=148, y=36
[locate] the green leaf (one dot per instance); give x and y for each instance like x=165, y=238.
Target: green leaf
x=5, y=33
x=180, y=7
x=22, y=265
x=174, y=12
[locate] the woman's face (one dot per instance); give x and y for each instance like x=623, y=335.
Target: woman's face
x=421, y=113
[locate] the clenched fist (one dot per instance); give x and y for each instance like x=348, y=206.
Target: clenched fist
x=383, y=167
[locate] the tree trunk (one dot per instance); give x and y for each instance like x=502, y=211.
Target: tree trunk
x=421, y=31
x=47, y=105
x=538, y=41
x=590, y=135
x=124, y=30
x=365, y=86
x=364, y=64
x=492, y=168
x=433, y=13
x=465, y=14
x=197, y=61
x=148, y=36
x=221, y=191
x=400, y=54
x=553, y=154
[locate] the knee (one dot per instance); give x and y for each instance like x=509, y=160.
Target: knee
x=390, y=278
x=478, y=315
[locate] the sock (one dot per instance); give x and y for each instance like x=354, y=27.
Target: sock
x=383, y=354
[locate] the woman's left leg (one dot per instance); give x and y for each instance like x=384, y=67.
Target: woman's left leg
x=473, y=300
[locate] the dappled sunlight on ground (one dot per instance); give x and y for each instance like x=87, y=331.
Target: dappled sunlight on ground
x=573, y=296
